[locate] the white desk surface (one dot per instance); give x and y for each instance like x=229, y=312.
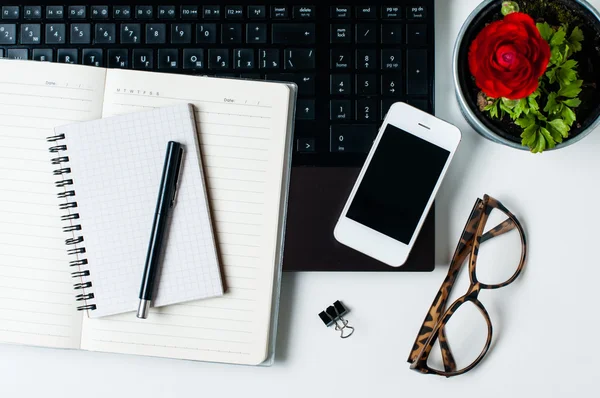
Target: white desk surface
x=545, y=323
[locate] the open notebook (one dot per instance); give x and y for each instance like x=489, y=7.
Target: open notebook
x=245, y=131
x=109, y=171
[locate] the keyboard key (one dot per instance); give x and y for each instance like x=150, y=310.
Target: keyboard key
x=193, y=58
x=366, y=33
x=32, y=12
x=352, y=137
x=416, y=72
x=341, y=58
x=105, y=33
x=391, y=85
x=366, y=84
x=269, y=59
x=257, y=12
x=170, y=12
x=340, y=12
x=211, y=12
x=55, y=12
x=143, y=59
x=55, y=33
x=305, y=145
x=131, y=33
x=366, y=12
x=305, y=109
x=67, y=56
x=416, y=12
x=10, y=12
x=421, y=104
x=8, y=33
x=293, y=33
x=416, y=34
x=81, y=33
x=386, y=104
x=121, y=12
x=340, y=34
x=17, y=53
x=206, y=33
x=181, y=33
x=1, y=53
x=92, y=57
x=231, y=33
x=279, y=12
x=256, y=33
x=156, y=33
x=218, y=59
x=234, y=12
x=340, y=84
x=366, y=110
x=391, y=34
x=391, y=12
x=168, y=59
x=391, y=59
x=299, y=59
x=77, y=12
x=304, y=12
x=43, y=54
x=31, y=34
x=189, y=12
x=341, y=110
x=118, y=58
x=243, y=59
x=366, y=59
x=304, y=81
x=143, y=12
x=100, y=12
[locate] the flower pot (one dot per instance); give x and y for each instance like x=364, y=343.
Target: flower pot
x=500, y=131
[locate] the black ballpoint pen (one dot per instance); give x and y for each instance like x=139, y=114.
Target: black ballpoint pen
x=166, y=198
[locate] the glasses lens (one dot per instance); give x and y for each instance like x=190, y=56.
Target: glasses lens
x=466, y=335
x=500, y=251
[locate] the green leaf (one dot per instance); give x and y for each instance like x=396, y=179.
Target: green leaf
x=528, y=135
x=552, y=106
x=575, y=40
x=558, y=38
x=560, y=126
x=566, y=76
x=570, y=64
x=532, y=102
x=494, y=111
x=526, y=121
x=568, y=115
x=539, y=144
x=571, y=90
x=556, y=56
x=573, y=102
x=545, y=30
x=550, y=142
x=551, y=74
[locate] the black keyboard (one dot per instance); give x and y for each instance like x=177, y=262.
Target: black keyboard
x=350, y=62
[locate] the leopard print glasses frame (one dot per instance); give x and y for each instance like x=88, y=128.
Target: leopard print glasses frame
x=438, y=316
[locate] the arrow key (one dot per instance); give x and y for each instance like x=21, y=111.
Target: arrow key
x=391, y=85
x=306, y=145
x=305, y=110
x=366, y=110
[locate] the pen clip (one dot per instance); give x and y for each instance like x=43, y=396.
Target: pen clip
x=177, y=175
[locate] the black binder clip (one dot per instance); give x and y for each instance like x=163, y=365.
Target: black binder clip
x=334, y=315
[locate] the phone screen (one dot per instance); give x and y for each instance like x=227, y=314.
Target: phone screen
x=398, y=183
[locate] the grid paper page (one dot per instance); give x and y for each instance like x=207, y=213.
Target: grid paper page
x=242, y=129
x=37, y=300
x=117, y=165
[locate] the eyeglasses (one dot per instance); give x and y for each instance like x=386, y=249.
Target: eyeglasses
x=434, y=327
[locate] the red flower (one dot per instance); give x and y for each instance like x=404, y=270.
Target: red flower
x=508, y=57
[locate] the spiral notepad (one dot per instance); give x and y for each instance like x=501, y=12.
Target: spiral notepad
x=108, y=178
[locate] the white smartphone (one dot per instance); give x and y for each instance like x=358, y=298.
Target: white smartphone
x=397, y=184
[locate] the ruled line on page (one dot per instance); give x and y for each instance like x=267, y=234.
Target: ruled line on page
x=47, y=86
x=35, y=301
x=46, y=107
x=70, y=315
x=36, y=334
x=37, y=290
x=171, y=346
x=46, y=96
x=36, y=323
x=196, y=100
x=40, y=117
x=170, y=335
x=178, y=326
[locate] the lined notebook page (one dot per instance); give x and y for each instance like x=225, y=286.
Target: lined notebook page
x=37, y=304
x=117, y=165
x=242, y=127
